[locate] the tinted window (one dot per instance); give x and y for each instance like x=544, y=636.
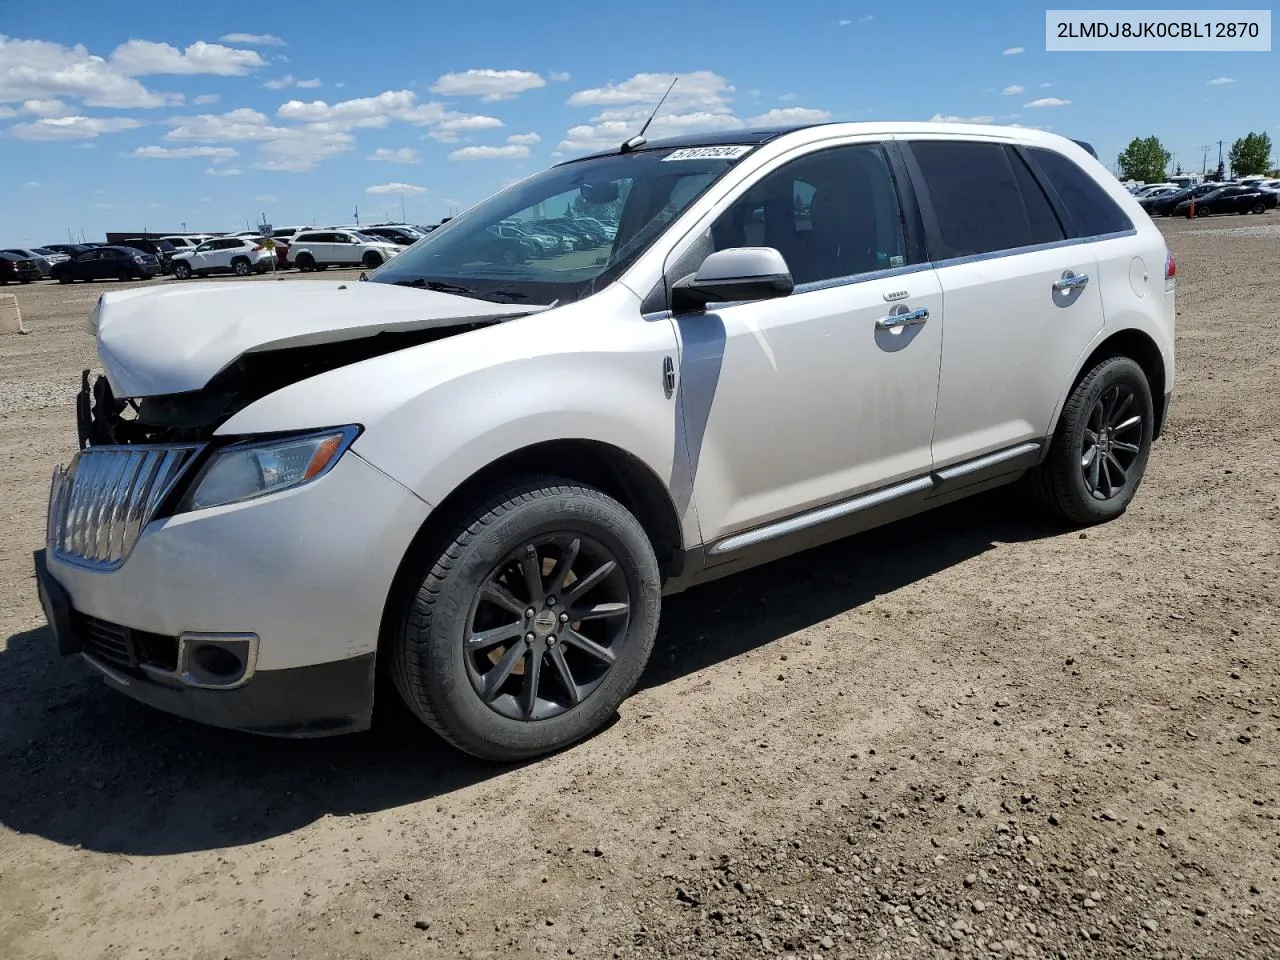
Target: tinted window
x=1091, y=210
x=977, y=199
x=1045, y=226
x=831, y=214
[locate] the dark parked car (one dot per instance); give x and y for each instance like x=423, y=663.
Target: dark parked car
x=1235, y=199
x=162, y=250
x=15, y=267
x=45, y=259
x=108, y=263
x=70, y=249
x=1163, y=205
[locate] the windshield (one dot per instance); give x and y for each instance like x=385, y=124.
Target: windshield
x=563, y=233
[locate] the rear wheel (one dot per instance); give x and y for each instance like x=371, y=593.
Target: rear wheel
x=528, y=629
x=1203, y=211
x=1259, y=207
x=241, y=266
x=1099, y=451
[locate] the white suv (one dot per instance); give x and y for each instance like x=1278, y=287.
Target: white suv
x=239, y=255
x=318, y=249
x=479, y=477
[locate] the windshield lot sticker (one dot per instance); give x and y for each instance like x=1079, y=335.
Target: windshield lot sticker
x=708, y=153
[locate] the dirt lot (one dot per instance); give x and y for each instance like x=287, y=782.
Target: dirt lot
x=965, y=735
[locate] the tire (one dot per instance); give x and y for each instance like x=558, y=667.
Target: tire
x=182, y=271
x=1259, y=208
x=320, y=267
x=241, y=267
x=441, y=680
x=64, y=278
x=305, y=262
x=124, y=277
x=1116, y=393
x=1202, y=212
x=371, y=260
x=24, y=279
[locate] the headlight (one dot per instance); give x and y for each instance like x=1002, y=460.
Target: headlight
x=243, y=471
x=137, y=259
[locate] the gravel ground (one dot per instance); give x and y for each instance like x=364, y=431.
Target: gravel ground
x=964, y=735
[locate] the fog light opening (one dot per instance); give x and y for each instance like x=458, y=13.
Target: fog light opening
x=217, y=660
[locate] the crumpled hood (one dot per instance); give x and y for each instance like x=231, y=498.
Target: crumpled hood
x=176, y=338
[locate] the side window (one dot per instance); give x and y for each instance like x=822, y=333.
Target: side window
x=1045, y=226
x=831, y=214
x=1091, y=210
x=976, y=199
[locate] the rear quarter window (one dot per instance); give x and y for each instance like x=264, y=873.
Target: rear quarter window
x=1091, y=210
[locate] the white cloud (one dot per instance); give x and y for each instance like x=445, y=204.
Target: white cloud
x=138, y=58
x=38, y=69
x=488, y=85
x=47, y=108
x=301, y=150
x=71, y=128
x=555, y=76
x=951, y=118
x=1013, y=90
x=185, y=153
x=225, y=172
x=206, y=98
x=240, y=124
x=402, y=155
x=31, y=185
x=279, y=83
x=843, y=23
x=309, y=84
x=1046, y=85
x=867, y=19
x=1014, y=51
x=613, y=127
x=375, y=111
x=7, y=112
x=403, y=188
x=782, y=116
x=787, y=97
x=103, y=206
x=293, y=149
x=525, y=138
x=253, y=39
x=267, y=198
x=1218, y=81
x=1048, y=102
x=701, y=89
x=513, y=151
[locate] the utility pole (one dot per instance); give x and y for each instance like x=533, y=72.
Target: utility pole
x=357, y=206
x=1221, y=170
x=403, y=218
x=1204, y=159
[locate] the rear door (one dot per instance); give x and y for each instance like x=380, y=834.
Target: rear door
x=344, y=249
x=1021, y=302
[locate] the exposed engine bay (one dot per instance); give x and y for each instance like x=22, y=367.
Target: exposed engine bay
x=193, y=416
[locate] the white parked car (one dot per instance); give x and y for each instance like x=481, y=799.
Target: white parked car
x=479, y=479
x=239, y=255
x=319, y=249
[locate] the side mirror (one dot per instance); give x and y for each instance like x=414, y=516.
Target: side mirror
x=739, y=273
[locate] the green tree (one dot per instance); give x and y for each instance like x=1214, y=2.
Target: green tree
x=1144, y=160
x=1251, y=154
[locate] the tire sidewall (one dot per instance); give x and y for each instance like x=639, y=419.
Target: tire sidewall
x=472, y=722
x=1116, y=371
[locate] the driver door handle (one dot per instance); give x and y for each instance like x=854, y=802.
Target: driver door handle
x=1070, y=281
x=895, y=320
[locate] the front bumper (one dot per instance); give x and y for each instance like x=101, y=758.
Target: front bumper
x=307, y=572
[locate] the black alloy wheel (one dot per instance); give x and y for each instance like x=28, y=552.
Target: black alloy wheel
x=547, y=626
x=1111, y=442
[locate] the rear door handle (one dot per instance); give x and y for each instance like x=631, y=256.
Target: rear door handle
x=895, y=320
x=1070, y=281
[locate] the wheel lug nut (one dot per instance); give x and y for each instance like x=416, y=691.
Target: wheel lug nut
x=551, y=601
x=528, y=614
x=551, y=640
x=529, y=638
x=564, y=618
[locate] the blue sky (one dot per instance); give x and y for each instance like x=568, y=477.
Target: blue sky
x=125, y=116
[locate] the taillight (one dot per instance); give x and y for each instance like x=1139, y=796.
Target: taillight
x=258, y=247
x=1170, y=267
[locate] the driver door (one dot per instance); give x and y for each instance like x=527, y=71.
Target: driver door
x=200, y=260
x=809, y=400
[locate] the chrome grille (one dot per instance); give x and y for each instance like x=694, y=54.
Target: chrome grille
x=100, y=503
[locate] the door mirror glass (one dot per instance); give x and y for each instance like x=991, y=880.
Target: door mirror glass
x=738, y=273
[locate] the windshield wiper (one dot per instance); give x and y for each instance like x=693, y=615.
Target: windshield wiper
x=440, y=286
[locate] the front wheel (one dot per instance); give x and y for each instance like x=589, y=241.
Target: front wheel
x=372, y=260
x=241, y=266
x=1203, y=211
x=528, y=629
x=182, y=271
x=305, y=262
x=1259, y=208
x=1099, y=451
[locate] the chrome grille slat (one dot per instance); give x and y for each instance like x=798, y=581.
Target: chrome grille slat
x=100, y=505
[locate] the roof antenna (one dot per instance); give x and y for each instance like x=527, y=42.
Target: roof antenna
x=638, y=141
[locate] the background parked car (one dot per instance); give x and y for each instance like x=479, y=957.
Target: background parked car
x=108, y=263
x=1163, y=205
x=19, y=268
x=399, y=235
x=44, y=258
x=162, y=250
x=69, y=250
x=239, y=255
x=1228, y=199
x=318, y=249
